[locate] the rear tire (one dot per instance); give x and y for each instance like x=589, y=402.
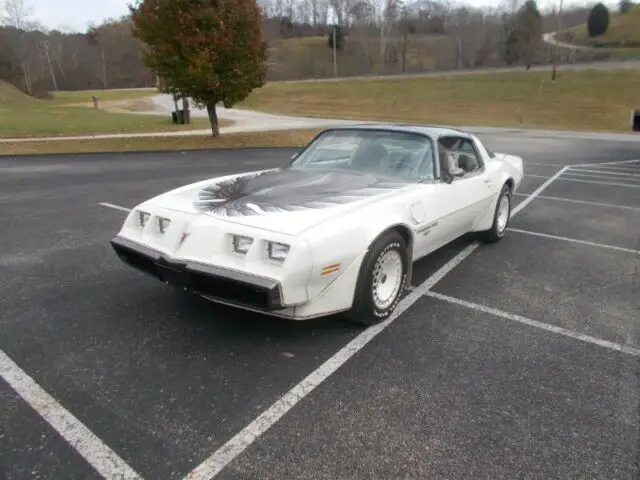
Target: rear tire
x=382, y=280
x=501, y=217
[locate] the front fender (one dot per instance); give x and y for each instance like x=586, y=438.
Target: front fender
x=342, y=244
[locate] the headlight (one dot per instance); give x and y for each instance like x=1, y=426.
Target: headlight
x=241, y=244
x=277, y=251
x=163, y=224
x=143, y=217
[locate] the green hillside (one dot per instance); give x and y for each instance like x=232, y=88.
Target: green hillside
x=10, y=95
x=623, y=32
x=579, y=100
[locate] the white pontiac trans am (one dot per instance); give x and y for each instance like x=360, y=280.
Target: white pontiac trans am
x=335, y=231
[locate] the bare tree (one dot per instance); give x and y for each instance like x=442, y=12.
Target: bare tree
x=16, y=14
x=379, y=35
x=340, y=10
x=46, y=46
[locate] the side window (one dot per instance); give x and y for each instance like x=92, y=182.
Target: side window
x=468, y=159
x=462, y=154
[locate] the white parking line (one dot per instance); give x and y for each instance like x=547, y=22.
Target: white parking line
x=571, y=200
x=236, y=445
x=534, y=323
x=601, y=182
x=104, y=460
x=628, y=168
x=588, y=181
x=604, y=172
x=539, y=190
x=542, y=164
x=633, y=162
x=614, y=168
x=605, y=177
x=115, y=207
x=573, y=240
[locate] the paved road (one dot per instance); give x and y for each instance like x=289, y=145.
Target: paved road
x=551, y=38
x=448, y=390
x=605, y=65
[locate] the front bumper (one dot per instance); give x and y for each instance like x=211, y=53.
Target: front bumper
x=215, y=283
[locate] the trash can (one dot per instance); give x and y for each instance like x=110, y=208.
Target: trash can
x=178, y=117
x=635, y=120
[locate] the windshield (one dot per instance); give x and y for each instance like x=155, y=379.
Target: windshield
x=401, y=155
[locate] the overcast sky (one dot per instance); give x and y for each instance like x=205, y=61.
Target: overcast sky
x=78, y=14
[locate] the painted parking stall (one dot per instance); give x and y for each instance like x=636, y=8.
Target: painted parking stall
x=526, y=347
x=577, y=347
x=569, y=264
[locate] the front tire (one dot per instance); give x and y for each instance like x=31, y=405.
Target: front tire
x=501, y=217
x=382, y=280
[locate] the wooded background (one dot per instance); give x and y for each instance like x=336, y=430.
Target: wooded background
x=374, y=37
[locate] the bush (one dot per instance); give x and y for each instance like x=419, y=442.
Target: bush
x=42, y=93
x=598, y=20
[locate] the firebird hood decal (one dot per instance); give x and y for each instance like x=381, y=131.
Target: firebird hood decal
x=289, y=189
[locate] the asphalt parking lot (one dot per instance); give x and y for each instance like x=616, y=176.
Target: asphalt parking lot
x=521, y=361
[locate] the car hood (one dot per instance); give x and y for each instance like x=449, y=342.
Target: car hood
x=286, y=200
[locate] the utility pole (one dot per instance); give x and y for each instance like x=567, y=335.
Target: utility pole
x=381, y=43
x=335, y=63
x=555, y=53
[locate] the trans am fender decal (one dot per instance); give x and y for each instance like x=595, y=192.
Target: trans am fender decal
x=426, y=229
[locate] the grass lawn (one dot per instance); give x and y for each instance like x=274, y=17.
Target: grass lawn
x=103, y=95
x=284, y=138
x=72, y=113
x=578, y=100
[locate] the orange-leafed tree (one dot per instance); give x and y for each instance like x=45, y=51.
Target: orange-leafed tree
x=209, y=50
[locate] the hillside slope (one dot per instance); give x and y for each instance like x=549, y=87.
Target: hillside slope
x=623, y=32
x=579, y=100
x=10, y=95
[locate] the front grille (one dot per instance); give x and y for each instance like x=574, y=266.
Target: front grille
x=209, y=281
x=230, y=290
x=137, y=260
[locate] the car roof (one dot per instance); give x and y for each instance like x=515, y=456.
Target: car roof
x=434, y=131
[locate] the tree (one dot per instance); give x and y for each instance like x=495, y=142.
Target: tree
x=209, y=50
x=529, y=31
x=598, y=20
x=510, y=55
x=522, y=33
x=16, y=14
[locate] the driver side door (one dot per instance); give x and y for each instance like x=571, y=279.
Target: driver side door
x=462, y=198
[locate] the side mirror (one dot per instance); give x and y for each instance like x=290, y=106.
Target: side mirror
x=456, y=172
x=293, y=157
